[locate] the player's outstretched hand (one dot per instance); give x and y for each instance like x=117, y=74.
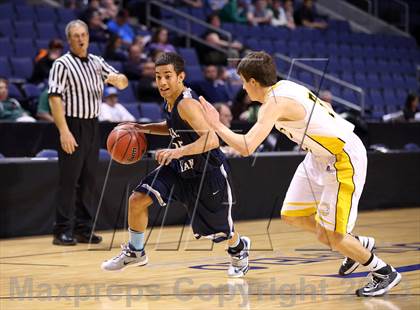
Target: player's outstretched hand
x=165, y=156
x=210, y=113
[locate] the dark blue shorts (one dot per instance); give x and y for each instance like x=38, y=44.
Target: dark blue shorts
x=209, y=208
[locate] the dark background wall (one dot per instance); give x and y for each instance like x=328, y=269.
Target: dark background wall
x=27, y=189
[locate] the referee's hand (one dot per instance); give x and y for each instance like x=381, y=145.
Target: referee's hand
x=68, y=142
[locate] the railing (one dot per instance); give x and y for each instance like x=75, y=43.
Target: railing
x=297, y=62
x=186, y=32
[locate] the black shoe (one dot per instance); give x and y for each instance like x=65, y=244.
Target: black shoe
x=348, y=265
x=64, y=239
x=379, y=283
x=84, y=237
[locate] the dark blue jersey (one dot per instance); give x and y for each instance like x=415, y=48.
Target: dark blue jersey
x=182, y=134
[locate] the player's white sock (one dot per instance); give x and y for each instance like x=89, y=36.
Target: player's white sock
x=374, y=263
x=136, y=239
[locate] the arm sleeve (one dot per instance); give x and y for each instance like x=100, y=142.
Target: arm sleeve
x=106, y=68
x=57, y=79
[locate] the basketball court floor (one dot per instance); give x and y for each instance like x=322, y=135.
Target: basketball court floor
x=289, y=269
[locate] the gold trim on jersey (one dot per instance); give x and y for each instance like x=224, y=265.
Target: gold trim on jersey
x=300, y=212
x=344, y=173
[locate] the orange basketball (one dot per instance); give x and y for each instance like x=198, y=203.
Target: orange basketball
x=126, y=144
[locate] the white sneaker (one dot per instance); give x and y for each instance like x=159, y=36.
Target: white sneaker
x=126, y=258
x=239, y=265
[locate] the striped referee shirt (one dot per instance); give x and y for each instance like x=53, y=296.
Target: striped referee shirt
x=80, y=83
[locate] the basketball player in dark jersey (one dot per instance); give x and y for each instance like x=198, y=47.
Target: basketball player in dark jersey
x=194, y=158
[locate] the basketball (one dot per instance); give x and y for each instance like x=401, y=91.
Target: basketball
x=126, y=144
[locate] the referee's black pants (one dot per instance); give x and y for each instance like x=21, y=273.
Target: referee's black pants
x=77, y=172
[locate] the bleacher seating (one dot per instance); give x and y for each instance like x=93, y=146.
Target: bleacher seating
x=383, y=65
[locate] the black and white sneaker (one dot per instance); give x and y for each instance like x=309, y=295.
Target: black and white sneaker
x=379, y=283
x=348, y=265
x=239, y=264
x=126, y=258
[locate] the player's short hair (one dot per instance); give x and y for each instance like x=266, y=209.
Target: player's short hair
x=171, y=59
x=259, y=66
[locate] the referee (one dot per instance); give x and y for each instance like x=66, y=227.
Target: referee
x=75, y=90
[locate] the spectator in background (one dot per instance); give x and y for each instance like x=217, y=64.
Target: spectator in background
x=234, y=11
x=160, y=41
x=193, y=3
x=98, y=31
x=289, y=10
x=44, y=61
x=43, y=111
x=307, y=16
x=122, y=28
x=326, y=96
x=10, y=108
x=109, y=9
x=217, y=5
x=111, y=110
x=133, y=66
x=225, y=116
x=147, y=90
x=213, y=56
x=411, y=107
x=114, y=50
x=212, y=86
x=93, y=6
x=280, y=18
x=259, y=14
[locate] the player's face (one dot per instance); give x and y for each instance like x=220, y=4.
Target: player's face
x=168, y=81
x=251, y=88
x=78, y=40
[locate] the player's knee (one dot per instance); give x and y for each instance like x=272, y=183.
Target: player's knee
x=139, y=201
x=290, y=220
x=329, y=238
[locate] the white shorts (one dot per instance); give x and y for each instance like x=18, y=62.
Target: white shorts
x=330, y=188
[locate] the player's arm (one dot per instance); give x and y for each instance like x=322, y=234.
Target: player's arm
x=248, y=143
x=191, y=112
x=67, y=140
x=151, y=128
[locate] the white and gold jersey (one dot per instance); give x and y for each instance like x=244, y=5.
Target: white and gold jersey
x=327, y=131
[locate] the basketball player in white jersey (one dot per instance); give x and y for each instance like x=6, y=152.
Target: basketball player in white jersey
x=325, y=190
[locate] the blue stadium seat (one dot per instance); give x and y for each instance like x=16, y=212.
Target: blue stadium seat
x=190, y=56
x=24, y=48
x=6, y=11
x=6, y=49
x=6, y=28
x=47, y=153
x=193, y=73
x=398, y=81
x=345, y=51
x=387, y=81
x=373, y=80
x=46, y=14
x=411, y=83
x=133, y=108
x=347, y=76
x=151, y=111
x=5, y=69
x=22, y=67
x=46, y=30
x=61, y=31
x=306, y=78
x=360, y=79
x=25, y=12
x=65, y=15
x=390, y=98
x=14, y=92
x=96, y=49
x=41, y=43
x=358, y=65
x=127, y=95
x=117, y=65
x=32, y=92
x=24, y=29
x=350, y=95
x=266, y=45
x=375, y=97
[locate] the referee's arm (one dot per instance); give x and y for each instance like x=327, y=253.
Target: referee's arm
x=118, y=80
